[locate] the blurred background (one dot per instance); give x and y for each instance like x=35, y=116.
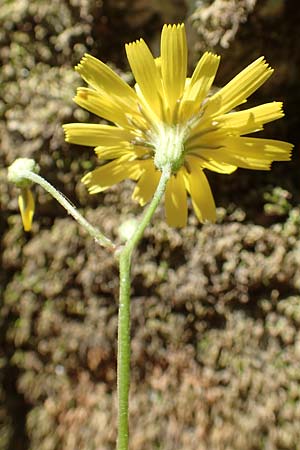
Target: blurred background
x=215, y=308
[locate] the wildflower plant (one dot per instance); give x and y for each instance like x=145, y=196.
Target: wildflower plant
x=163, y=134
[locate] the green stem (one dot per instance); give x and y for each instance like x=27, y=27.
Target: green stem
x=124, y=313
x=65, y=203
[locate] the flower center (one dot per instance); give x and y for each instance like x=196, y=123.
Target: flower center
x=168, y=142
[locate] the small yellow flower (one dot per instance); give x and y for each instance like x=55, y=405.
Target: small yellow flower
x=170, y=120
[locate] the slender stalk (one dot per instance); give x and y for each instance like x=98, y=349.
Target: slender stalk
x=65, y=203
x=124, y=313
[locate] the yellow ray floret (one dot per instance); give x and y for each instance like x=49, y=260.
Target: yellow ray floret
x=239, y=88
x=146, y=74
x=173, y=63
x=101, y=104
x=147, y=184
x=113, y=172
x=250, y=120
x=26, y=205
x=103, y=78
x=197, y=186
x=198, y=87
x=176, y=201
x=94, y=134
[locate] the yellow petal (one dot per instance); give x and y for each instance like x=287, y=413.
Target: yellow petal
x=111, y=173
x=129, y=151
x=207, y=161
x=96, y=134
x=239, y=88
x=103, y=78
x=176, y=201
x=147, y=184
x=158, y=64
x=145, y=73
x=198, y=87
x=198, y=187
x=148, y=114
x=257, y=148
x=173, y=62
x=252, y=153
x=250, y=120
x=205, y=136
x=103, y=105
x=26, y=205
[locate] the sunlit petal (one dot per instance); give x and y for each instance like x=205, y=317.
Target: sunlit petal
x=250, y=120
x=146, y=74
x=251, y=153
x=173, y=62
x=101, y=77
x=126, y=150
x=95, y=134
x=111, y=173
x=147, y=184
x=239, y=88
x=198, y=187
x=176, y=201
x=103, y=105
x=199, y=85
x=208, y=161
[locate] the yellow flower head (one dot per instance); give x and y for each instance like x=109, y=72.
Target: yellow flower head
x=170, y=120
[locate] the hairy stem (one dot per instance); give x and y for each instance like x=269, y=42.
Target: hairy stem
x=125, y=258
x=65, y=203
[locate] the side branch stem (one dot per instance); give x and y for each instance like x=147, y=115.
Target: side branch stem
x=125, y=258
x=65, y=203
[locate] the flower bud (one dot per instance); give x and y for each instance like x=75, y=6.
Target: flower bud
x=17, y=171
